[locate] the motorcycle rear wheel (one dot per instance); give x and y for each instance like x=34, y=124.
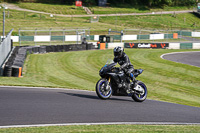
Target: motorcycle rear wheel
x=138, y=96
x=101, y=90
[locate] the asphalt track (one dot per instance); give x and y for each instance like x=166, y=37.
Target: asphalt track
x=33, y=106
x=25, y=106
x=190, y=58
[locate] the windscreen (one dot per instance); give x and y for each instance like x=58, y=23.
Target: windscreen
x=109, y=61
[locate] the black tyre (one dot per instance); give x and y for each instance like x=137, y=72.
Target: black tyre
x=140, y=96
x=102, y=91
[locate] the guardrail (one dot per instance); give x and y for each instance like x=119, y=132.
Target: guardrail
x=5, y=49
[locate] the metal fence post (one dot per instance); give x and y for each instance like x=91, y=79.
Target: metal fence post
x=19, y=38
x=121, y=37
x=139, y=36
x=193, y=39
x=35, y=35
x=83, y=34
x=89, y=33
x=153, y=36
x=77, y=36
x=124, y=31
x=180, y=36
x=63, y=36
x=4, y=22
x=167, y=35
x=50, y=35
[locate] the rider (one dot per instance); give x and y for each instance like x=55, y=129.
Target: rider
x=122, y=59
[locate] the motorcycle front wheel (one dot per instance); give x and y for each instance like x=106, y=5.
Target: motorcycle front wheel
x=103, y=89
x=140, y=96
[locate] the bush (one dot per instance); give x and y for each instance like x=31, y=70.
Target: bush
x=34, y=15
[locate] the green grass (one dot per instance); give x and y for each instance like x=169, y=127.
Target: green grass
x=108, y=128
x=31, y=43
x=26, y=20
x=72, y=9
x=131, y=9
x=53, y=8
x=17, y=21
x=166, y=80
x=165, y=22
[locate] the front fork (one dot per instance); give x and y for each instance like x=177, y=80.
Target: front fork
x=107, y=84
x=134, y=83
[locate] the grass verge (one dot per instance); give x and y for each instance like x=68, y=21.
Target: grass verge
x=26, y=20
x=131, y=9
x=72, y=9
x=53, y=8
x=108, y=128
x=166, y=80
x=165, y=22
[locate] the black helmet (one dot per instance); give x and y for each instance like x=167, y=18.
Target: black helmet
x=118, y=51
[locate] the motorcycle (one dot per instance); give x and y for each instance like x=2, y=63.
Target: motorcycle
x=115, y=82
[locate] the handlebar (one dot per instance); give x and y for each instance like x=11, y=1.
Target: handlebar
x=118, y=69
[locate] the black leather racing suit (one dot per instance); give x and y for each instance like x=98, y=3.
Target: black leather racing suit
x=125, y=64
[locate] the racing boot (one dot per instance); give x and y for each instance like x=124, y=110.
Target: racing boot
x=134, y=83
x=130, y=87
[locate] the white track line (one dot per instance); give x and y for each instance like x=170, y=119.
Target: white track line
x=43, y=88
x=162, y=56
x=176, y=53
x=103, y=123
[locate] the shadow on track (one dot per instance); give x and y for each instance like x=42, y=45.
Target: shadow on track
x=95, y=97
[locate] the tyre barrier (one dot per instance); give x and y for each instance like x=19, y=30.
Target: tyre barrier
x=7, y=71
x=42, y=49
x=16, y=71
x=13, y=55
x=35, y=50
x=66, y=48
x=49, y=49
x=29, y=50
x=14, y=65
x=8, y=65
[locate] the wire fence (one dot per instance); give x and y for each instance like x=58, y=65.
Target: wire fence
x=51, y=36
x=158, y=35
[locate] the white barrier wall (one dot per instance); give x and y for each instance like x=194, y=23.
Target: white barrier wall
x=42, y=38
x=72, y=38
x=174, y=45
x=113, y=45
x=129, y=37
x=195, y=34
x=15, y=38
x=96, y=37
x=196, y=46
x=157, y=36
